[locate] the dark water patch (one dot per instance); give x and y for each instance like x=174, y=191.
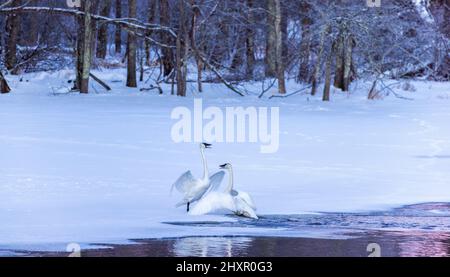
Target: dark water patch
x=425, y=216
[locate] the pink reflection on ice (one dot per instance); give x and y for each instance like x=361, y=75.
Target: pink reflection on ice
x=425, y=244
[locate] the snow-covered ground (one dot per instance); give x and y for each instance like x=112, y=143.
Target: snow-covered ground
x=98, y=167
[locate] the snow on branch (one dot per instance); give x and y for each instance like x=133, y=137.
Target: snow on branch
x=129, y=24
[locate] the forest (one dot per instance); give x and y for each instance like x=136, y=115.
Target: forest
x=320, y=44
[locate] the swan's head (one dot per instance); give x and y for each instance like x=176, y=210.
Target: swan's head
x=226, y=166
x=205, y=145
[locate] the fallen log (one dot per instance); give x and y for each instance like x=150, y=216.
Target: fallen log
x=103, y=84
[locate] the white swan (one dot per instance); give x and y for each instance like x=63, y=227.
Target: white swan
x=238, y=202
x=192, y=188
x=243, y=203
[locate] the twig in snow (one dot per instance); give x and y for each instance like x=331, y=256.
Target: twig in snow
x=267, y=89
x=394, y=93
x=290, y=94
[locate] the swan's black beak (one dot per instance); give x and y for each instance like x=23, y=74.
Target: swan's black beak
x=207, y=145
x=223, y=166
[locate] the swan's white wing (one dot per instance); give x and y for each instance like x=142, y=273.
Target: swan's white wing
x=247, y=198
x=215, y=180
x=184, y=183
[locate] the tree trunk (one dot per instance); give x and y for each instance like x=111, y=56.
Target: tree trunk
x=86, y=47
x=180, y=80
x=318, y=66
x=271, y=40
x=118, y=33
x=279, y=48
x=141, y=67
x=85, y=44
x=102, y=35
x=284, y=32
x=4, y=88
x=339, y=73
x=220, y=51
x=167, y=53
x=79, y=19
x=441, y=13
x=1, y=42
x=200, y=67
x=151, y=20
x=94, y=10
x=305, y=46
x=12, y=38
x=239, y=53
x=326, y=88
x=31, y=36
x=182, y=50
x=131, y=48
x=250, y=41
x=348, y=60
x=192, y=34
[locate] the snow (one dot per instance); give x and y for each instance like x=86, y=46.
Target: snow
x=99, y=167
x=422, y=7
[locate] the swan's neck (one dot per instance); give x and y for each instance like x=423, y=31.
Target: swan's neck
x=230, y=180
x=205, y=165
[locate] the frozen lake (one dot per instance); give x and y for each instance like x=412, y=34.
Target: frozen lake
x=414, y=230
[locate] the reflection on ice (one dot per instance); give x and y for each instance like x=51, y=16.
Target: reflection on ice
x=209, y=246
x=425, y=244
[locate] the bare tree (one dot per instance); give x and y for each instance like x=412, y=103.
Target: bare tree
x=328, y=64
x=131, y=49
x=305, y=44
x=102, y=36
x=118, y=32
x=279, y=48
x=271, y=40
x=152, y=5
x=340, y=48
x=31, y=36
x=317, y=68
x=348, y=61
x=12, y=38
x=440, y=9
x=250, y=40
x=167, y=53
x=86, y=43
x=193, y=40
x=182, y=49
